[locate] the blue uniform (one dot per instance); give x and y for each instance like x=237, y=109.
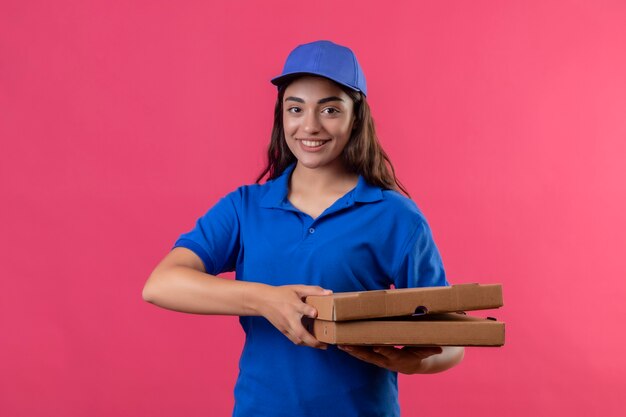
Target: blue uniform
x=369, y=239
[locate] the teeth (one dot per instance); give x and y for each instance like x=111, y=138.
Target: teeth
x=313, y=143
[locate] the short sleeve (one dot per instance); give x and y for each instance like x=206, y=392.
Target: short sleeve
x=215, y=237
x=421, y=265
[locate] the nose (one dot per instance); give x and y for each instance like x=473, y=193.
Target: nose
x=311, y=122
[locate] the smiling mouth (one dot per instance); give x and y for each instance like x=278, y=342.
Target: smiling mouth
x=313, y=143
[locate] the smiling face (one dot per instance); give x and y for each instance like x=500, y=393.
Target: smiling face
x=317, y=119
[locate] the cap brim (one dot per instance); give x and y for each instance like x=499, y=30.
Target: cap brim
x=285, y=78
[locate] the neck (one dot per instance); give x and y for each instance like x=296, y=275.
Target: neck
x=334, y=178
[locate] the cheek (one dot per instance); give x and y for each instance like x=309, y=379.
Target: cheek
x=289, y=125
x=343, y=128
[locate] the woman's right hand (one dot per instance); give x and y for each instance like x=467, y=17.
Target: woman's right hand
x=284, y=307
x=180, y=283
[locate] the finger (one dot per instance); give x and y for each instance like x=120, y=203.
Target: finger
x=364, y=353
x=307, y=310
x=423, y=352
x=306, y=290
x=389, y=352
x=289, y=334
x=429, y=350
x=306, y=338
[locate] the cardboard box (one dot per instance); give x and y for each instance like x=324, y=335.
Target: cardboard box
x=447, y=329
x=406, y=302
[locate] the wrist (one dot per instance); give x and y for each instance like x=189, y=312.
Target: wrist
x=253, y=298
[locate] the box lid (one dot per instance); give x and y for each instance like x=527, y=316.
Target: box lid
x=406, y=302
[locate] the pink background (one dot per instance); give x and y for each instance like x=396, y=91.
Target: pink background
x=122, y=122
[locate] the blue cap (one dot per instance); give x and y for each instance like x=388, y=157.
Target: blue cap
x=326, y=59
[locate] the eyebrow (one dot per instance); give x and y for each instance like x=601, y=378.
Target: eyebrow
x=320, y=101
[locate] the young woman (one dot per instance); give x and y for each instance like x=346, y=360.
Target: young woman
x=329, y=218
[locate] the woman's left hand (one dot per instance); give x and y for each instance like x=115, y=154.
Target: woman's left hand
x=406, y=360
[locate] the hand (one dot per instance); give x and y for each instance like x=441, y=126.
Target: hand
x=406, y=360
x=284, y=307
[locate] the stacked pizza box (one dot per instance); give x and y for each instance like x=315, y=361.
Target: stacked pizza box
x=428, y=316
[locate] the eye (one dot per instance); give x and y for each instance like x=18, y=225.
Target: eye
x=294, y=109
x=330, y=110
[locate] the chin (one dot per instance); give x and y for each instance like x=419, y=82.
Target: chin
x=311, y=164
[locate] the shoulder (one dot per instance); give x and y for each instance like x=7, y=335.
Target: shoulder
x=401, y=207
x=247, y=191
x=251, y=194
x=398, y=215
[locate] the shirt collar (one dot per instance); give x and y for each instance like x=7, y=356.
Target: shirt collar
x=278, y=189
x=364, y=192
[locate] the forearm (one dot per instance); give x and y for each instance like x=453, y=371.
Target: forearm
x=448, y=358
x=185, y=289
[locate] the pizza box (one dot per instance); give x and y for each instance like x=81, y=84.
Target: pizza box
x=445, y=329
x=406, y=302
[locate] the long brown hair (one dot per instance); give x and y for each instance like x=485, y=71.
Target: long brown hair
x=362, y=155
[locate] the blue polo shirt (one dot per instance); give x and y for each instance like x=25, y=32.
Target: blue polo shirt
x=369, y=239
